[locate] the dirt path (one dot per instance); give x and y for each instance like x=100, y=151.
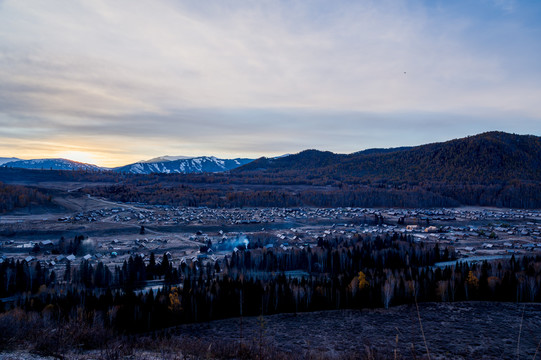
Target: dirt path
x=81, y=203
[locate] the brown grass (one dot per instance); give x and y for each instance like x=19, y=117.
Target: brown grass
x=41, y=336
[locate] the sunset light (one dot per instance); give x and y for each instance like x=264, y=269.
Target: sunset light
x=270, y=179
x=80, y=156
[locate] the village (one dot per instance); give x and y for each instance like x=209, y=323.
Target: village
x=201, y=235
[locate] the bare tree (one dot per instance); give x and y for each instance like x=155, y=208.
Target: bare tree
x=388, y=291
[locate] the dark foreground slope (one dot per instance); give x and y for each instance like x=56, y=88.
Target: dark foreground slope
x=466, y=330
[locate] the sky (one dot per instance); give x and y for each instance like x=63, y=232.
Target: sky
x=114, y=82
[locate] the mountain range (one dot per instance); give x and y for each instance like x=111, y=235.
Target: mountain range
x=166, y=158
x=50, y=164
x=484, y=158
x=201, y=164
x=162, y=165
x=4, y=160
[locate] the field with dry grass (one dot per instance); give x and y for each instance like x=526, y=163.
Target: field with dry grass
x=466, y=330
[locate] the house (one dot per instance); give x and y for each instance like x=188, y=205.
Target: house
x=71, y=257
x=46, y=244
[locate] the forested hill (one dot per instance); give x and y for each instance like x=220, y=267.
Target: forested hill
x=305, y=160
x=490, y=169
x=488, y=158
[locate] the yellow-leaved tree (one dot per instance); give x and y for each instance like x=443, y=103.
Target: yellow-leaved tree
x=472, y=280
x=363, y=283
x=174, y=300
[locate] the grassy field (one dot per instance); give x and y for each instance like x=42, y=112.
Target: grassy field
x=466, y=330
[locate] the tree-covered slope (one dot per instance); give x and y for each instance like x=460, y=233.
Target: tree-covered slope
x=482, y=159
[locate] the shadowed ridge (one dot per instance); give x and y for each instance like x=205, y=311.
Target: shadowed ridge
x=489, y=157
x=307, y=159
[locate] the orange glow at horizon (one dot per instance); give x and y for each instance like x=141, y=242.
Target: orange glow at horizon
x=97, y=153
x=80, y=156
x=96, y=158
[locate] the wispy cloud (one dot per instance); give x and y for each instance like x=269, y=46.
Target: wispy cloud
x=505, y=5
x=160, y=76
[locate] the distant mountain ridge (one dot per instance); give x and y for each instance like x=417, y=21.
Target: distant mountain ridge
x=4, y=160
x=166, y=158
x=203, y=164
x=52, y=164
x=489, y=169
x=484, y=158
x=162, y=165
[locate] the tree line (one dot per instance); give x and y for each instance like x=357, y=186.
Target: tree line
x=361, y=272
x=519, y=194
x=16, y=196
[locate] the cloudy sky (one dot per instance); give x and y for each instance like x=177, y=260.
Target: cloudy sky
x=112, y=82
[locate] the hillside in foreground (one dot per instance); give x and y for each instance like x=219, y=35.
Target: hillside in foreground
x=480, y=331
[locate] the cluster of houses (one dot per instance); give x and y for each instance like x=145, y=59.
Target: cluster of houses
x=164, y=215
x=168, y=215
x=468, y=230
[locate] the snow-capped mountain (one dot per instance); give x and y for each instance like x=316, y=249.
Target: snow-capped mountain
x=51, y=164
x=184, y=166
x=281, y=156
x=167, y=158
x=4, y=160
